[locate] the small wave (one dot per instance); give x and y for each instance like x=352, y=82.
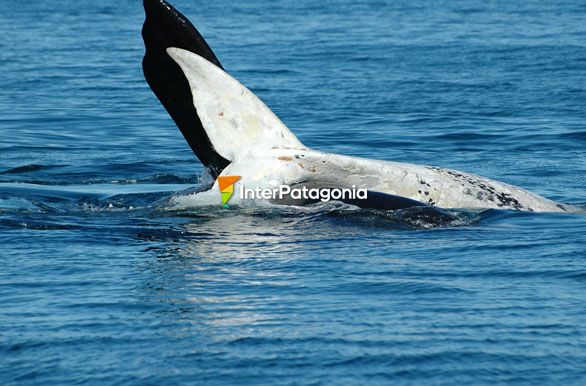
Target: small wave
x=402, y=288
x=29, y=168
x=575, y=136
x=25, y=198
x=162, y=178
x=35, y=225
x=71, y=178
x=469, y=136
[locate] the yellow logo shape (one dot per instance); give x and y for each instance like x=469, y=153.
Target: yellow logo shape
x=226, y=185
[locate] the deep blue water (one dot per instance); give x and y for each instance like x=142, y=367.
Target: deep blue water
x=100, y=286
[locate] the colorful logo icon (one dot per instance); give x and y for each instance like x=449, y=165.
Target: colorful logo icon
x=226, y=185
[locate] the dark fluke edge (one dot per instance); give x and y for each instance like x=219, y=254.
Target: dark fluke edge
x=165, y=27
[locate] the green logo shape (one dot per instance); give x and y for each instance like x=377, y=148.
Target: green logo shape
x=226, y=185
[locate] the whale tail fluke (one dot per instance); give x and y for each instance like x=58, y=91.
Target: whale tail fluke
x=219, y=117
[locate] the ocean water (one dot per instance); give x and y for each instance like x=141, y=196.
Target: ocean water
x=101, y=286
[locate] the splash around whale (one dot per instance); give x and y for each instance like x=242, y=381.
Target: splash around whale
x=233, y=133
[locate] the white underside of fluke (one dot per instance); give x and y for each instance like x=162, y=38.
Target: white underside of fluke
x=235, y=120
x=265, y=153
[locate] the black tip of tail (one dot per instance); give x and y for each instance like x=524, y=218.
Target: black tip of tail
x=165, y=27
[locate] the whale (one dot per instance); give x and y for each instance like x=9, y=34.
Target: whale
x=233, y=133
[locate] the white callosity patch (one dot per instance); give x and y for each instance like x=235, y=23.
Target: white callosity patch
x=236, y=121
